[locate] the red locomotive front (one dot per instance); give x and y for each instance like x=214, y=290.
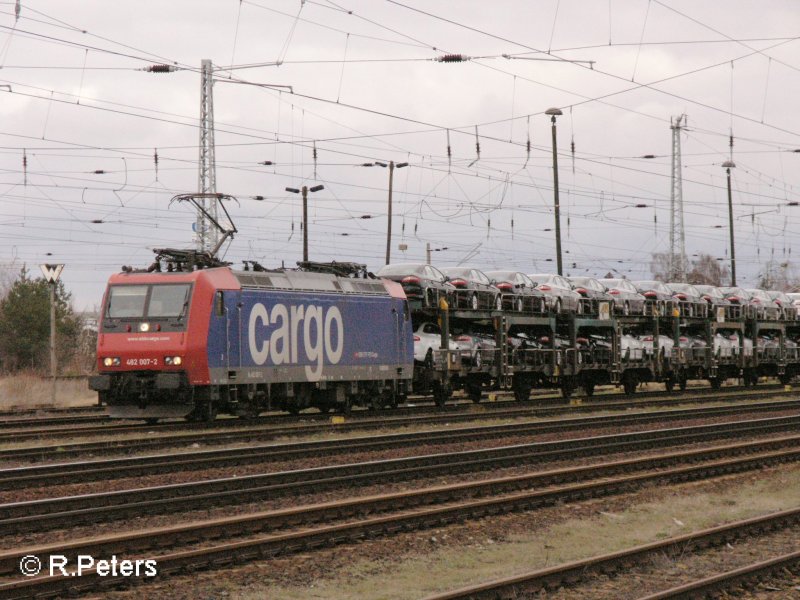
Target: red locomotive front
x=152, y=338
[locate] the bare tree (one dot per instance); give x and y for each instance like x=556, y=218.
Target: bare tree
x=706, y=270
x=659, y=265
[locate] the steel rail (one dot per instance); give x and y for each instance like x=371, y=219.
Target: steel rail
x=52, y=410
x=572, y=573
x=48, y=427
x=742, y=576
x=62, y=451
x=415, y=513
x=54, y=513
x=115, y=468
x=24, y=425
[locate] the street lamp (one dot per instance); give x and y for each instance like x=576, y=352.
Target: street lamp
x=728, y=165
x=392, y=166
x=304, y=190
x=556, y=112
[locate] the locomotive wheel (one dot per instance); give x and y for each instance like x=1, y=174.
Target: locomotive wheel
x=204, y=407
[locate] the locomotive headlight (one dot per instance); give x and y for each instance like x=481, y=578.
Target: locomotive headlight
x=144, y=327
x=173, y=360
x=109, y=361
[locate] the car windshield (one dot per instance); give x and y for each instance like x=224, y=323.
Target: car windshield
x=709, y=290
x=502, y=275
x=734, y=291
x=400, y=270
x=588, y=282
x=541, y=278
x=457, y=272
x=148, y=301
x=686, y=288
x=653, y=285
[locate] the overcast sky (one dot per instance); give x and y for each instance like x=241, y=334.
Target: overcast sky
x=363, y=83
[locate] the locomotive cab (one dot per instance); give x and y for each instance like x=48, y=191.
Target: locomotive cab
x=144, y=346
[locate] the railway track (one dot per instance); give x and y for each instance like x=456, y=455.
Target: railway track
x=308, y=527
x=115, y=468
x=44, y=410
x=54, y=513
x=618, y=563
x=264, y=432
x=15, y=430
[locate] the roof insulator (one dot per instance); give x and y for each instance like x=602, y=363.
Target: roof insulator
x=449, y=58
x=160, y=68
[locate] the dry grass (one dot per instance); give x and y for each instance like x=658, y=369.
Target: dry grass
x=485, y=559
x=31, y=391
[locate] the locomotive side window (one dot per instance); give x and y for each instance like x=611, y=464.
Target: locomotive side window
x=126, y=301
x=219, y=304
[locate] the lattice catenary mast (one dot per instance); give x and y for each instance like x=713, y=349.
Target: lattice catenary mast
x=207, y=235
x=677, y=236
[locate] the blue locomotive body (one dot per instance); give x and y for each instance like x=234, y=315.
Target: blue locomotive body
x=289, y=335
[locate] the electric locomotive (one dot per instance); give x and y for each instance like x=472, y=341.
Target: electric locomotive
x=189, y=342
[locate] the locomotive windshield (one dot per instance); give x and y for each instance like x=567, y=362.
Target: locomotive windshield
x=148, y=301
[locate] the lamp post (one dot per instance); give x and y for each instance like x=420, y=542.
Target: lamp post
x=556, y=112
x=728, y=165
x=392, y=166
x=304, y=190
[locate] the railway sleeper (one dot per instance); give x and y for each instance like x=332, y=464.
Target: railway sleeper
x=291, y=540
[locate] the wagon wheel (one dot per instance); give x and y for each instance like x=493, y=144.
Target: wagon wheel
x=473, y=302
x=522, y=389
x=474, y=392
x=682, y=382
